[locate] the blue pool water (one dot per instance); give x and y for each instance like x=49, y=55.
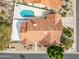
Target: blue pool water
x=27, y=13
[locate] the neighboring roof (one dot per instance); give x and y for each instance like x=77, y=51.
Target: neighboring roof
x=33, y=1
x=30, y=1
x=57, y=4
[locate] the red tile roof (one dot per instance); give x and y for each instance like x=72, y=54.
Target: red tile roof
x=41, y=24
x=52, y=25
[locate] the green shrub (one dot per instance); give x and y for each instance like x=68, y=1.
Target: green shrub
x=57, y=52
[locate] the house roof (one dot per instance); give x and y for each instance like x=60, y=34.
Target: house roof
x=44, y=24
x=41, y=24
x=46, y=40
x=49, y=30
x=51, y=22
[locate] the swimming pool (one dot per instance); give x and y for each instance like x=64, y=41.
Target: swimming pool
x=27, y=13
